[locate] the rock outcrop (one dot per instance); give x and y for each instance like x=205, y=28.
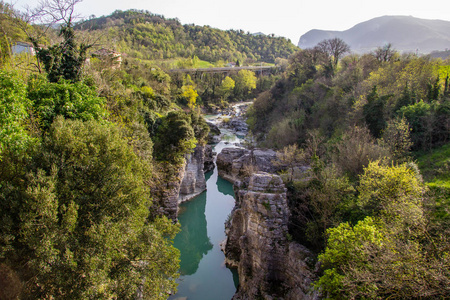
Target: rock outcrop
x=185, y=182
x=237, y=163
x=193, y=182
x=208, y=164
x=268, y=263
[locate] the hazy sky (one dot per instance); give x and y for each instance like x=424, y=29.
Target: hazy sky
x=286, y=18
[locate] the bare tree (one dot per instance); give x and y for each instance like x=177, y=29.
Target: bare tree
x=385, y=53
x=66, y=58
x=335, y=48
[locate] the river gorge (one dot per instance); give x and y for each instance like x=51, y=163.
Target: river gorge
x=241, y=221
x=203, y=272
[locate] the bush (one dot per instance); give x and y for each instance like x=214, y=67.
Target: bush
x=70, y=100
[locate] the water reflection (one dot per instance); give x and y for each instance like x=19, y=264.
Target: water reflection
x=194, y=242
x=204, y=275
x=224, y=187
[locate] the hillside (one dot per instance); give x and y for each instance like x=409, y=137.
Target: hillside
x=405, y=33
x=150, y=36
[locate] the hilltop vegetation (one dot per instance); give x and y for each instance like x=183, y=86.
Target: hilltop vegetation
x=148, y=36
x=379, y=229
x=85, y=151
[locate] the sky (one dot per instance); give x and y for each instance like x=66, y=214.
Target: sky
x=287, y=18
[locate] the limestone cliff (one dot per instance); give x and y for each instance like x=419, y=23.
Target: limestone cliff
x=269, y=265
x=193, y=182
x=233, y=163
x=184, y=182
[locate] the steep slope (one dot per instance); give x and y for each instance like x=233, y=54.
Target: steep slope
x=149, y=36
x=405, y=33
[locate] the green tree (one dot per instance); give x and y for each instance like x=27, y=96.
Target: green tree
x=14, y=109
x=175, y=137
x=76, y=226
x=245, y=82
x=190, y=95
x=394, y=193
x=227, y=87
x=64, y=60
x=396, y=138
x=71, y=100
x=383, y=256
x=374, y=112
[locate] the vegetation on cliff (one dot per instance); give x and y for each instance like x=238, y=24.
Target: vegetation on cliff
x=149, y=36
x=82, y=147
x=380, y=229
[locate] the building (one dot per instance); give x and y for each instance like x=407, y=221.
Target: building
x=22, y=47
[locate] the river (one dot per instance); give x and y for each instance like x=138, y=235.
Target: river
x=204, y=275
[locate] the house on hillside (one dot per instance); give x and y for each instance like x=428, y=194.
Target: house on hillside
x=231, y=64
x=111, y=57
x=22, y=47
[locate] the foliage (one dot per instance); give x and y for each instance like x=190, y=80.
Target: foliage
x=78, y=219
x=227, y=87
x=245, y=81
x=363, y=90
x=174, y=138
x=382, y=256
x=71, y=100
x=374, y=112
x=392, y=192
x=153, y=37
x=396, y=137
x=14, y=112
x=190, y=95
x=64, y=60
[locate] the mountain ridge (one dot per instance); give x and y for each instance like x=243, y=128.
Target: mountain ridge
x=405, y=33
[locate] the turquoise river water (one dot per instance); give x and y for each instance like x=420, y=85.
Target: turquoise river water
x=204, y=275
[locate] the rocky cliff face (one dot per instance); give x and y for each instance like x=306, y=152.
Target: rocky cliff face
x=186, y=182
x=257, y=244
x=193, y=182
x=237, y=163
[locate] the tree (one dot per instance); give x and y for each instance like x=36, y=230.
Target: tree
x=383, y=256
x=245, y=82
x=374, y=112
x=64, y=60
x=190, y=95
x=14, y=112
x=290, y=157
x=385, y=53
x=226, y=87
x=392, y=193
x=9, y=30
x=396, y=138
x=335, y=48
x=174, y=138
x=71, y=100
x=76, y=225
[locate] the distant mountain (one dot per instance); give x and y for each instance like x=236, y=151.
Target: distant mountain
x=405, y=33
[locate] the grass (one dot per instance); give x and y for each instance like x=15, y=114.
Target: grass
x=435, y=167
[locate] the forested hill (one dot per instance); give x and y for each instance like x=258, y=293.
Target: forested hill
x=149, y=36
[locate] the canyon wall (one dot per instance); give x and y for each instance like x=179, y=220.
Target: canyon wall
x=269, y=264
